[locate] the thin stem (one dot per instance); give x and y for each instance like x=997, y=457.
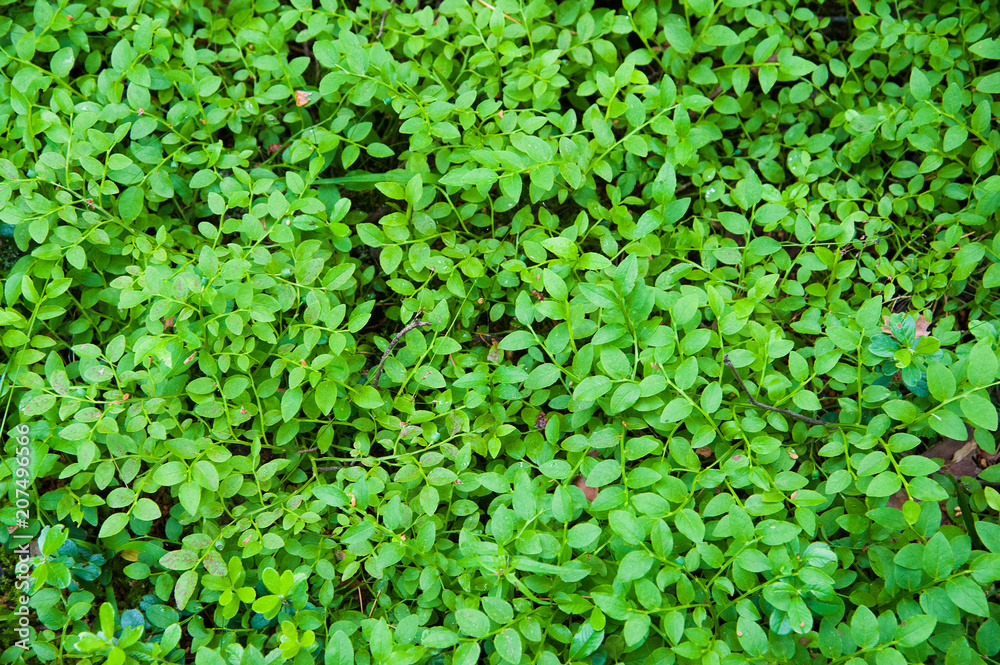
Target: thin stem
x=395, y=340
x=807, y=419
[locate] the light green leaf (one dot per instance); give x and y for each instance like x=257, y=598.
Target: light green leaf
x=113, y=525
x=989, y=84
x=508, y=645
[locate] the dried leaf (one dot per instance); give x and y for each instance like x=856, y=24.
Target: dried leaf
x=923, y=327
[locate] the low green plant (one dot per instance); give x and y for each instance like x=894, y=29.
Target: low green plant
x=224, y=213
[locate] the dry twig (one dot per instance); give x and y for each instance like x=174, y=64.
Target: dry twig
x=395, y=340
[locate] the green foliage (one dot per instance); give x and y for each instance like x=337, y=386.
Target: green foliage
x=225, y=212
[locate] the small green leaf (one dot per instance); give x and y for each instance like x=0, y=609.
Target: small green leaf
x=915, y=630
x=982, y=367
x=113, y=525
x=508, y=645
x=179, y=560
x=864, y=628
x=939, y=560
x=185, y=588
x=591, y=388
x=690, y=524
x=146, y=509
x=290, y=403
x=968, y=595
x=920, y=87
x=940, y=381
x=473, y=623
x=752, y=637
x=339, y=650
x=989, y=84
x=604, y=473
x=130, y=203
x=367, y=397
x=518, y=340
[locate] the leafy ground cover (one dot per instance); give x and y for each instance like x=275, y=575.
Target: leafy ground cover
x=218, y=217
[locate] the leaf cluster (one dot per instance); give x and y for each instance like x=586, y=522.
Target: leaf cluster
x=225, y=212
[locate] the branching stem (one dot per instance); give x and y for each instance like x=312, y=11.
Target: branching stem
x=805, y=419
x=395, y=340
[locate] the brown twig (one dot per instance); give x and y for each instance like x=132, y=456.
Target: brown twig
x=395, y=340
x=787, y=412
x=382, y=24
x=492, y=8
x=336, y=468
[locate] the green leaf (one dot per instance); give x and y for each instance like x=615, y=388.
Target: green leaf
x=986, y=48
x=684, y=309
x=339, y=650
x=179, y=560
x=979, y=411
x=554, y=284
x=439, y=637
x=711, y=397
x=146, y=509
x=473, y=622
x=518, y=340
x=754, y=561
x=604, y=473
x=989, y=84
x=130, y=203
x=677, y=34
x=379, y=150
x=339, y=276
x=582, y=536
x=989, y=533
x=508, y=645
x=752, y=637
x=940, y=381
x=626, y=275
x=624, y=396
x=734, y=222
x=205, y=474
x=918, y=465
x=591, y=388
x=690, y=524
x=480, y=176
x=968, y=595
x=901, y=410
x=915, y=630
x=634, y=566
x=290, y=403
x=955, y=137
x=886, y=483
x=367, y=397
x=939, y=560
x=542, y=376
x=585, y=641
x=62, y=61
x=202, y=178
x=467, y=653
x=677, y=410
x=185, y=588
x=920, y=87
x=113, y=525
x=390, y=258
x=720, y=35
x=948, y=424
x=524, y=309
x=864, y=628
x=982, y=367
x=636, y=629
